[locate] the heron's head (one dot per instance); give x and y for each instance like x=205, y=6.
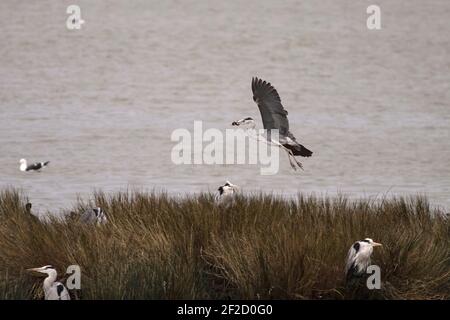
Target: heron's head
x=228, y=186
x=45, y=270
x=22, y=161
x=232, y=186
x=246, y=123
x=101, y=215
x=371, y=242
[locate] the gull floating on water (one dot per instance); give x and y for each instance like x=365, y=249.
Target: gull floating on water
x=358, y=258
x=94, y=216
x=274, y=116
x=53, y=290
x=32, y=167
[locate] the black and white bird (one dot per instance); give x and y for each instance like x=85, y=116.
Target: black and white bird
x=53, y=290
x=274, y=116
x=226, y=191
x=358, y=258
x=32, y=167
x=94, y=216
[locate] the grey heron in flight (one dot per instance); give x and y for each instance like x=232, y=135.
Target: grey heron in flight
x=53, y=290
x=358, y=258
x=37, y=166
x=274, y=116
x=94, y=216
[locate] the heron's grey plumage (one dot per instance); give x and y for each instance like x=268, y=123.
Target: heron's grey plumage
x=358, y=258
x=274, y=116
x=94, y=216
x=226, y=193
x=53, y=290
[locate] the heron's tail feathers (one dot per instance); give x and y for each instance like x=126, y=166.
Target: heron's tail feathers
x=299, y=150
x=46, y=163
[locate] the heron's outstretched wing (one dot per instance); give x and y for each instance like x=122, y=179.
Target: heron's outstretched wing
x=274, y=116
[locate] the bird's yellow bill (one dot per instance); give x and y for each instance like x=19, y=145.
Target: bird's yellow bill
x=376, y=244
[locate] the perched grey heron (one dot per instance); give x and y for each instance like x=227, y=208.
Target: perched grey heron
x=226, y=192
x=32, y=167
x=358, y=258
x=94, y=216
x=274, y=116
x=53, y=290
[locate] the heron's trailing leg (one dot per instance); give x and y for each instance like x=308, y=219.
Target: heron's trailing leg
x=291, y=156
x=300, y=165
x=293, y=166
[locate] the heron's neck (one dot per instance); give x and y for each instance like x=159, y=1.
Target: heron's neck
x=23, y=166
x=48, y=282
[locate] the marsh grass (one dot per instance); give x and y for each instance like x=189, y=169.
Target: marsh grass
x=262, y=247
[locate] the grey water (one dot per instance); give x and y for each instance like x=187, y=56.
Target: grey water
x=101, y=102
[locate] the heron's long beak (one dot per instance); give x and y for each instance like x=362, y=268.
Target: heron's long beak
x=36, y=270
x=376, y=244
x=32, y=269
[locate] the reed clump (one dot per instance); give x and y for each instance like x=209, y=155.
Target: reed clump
x=157, y=246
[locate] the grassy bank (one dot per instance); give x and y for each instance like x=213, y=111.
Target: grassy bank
x=159, y=247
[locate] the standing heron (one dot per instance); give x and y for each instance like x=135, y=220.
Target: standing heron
x=94, y=216
x=358, y=258
x=53, y=290
x=226, y=192
x=37, y=166
x=274, y=116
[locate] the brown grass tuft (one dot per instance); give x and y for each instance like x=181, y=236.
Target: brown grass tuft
x=161, y=247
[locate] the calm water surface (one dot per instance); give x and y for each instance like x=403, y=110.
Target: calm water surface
x=102, y=102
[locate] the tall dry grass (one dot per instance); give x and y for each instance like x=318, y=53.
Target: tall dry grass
x=161, y=247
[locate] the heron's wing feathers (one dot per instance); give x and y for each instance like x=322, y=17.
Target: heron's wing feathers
x=88, y=216
x=59, y=288
x=61, y=291
x=351, y=257
x=274, y=116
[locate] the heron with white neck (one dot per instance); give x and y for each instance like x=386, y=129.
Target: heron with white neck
x=94, y=216
x=53, y=290
x=358, y=258
x=226, y=192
